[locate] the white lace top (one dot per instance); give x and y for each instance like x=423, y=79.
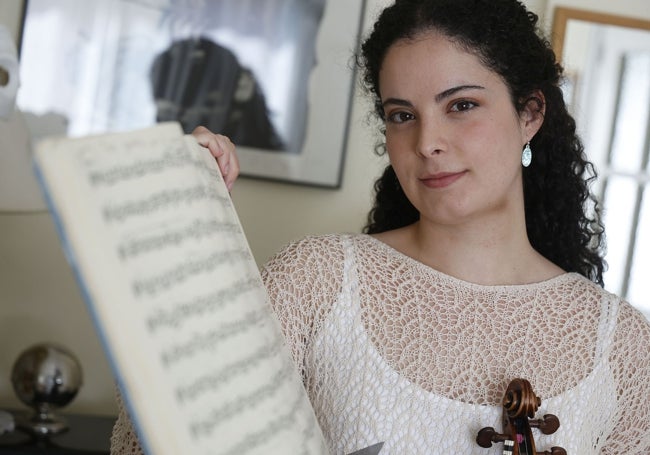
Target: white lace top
x=391, y=350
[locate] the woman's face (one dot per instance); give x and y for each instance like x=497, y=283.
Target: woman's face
x=453, y=135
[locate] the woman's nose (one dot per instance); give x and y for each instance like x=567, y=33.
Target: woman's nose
x=430, y=140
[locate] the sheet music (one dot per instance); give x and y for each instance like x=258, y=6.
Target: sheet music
x=179, y=298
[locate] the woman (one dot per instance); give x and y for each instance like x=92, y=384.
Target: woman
x=480, y=263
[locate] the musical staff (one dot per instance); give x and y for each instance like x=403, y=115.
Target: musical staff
x=196, y=230
x=180, y=313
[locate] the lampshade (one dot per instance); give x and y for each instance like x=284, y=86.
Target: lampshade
x=19, y=189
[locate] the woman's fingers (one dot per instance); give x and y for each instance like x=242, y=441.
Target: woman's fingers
x=222, y=148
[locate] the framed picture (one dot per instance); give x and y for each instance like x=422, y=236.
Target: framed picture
x=276, y=76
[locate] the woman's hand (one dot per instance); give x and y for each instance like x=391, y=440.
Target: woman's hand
x=223, y=150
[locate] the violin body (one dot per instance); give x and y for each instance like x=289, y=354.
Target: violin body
x=519, y=406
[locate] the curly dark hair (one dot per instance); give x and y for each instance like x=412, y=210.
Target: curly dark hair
x=562, y=216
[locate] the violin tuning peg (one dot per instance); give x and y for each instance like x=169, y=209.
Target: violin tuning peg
x=554, y=451
x=486, y=436
x=547, y=425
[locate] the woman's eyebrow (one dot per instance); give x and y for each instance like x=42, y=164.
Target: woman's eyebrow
x=438, y=98
x=451, y=91
x=397, y=102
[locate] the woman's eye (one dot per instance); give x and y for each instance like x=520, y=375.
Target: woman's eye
x=399, y=117
x=463, y=105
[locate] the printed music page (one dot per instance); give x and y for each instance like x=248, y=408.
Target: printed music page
x=167, y=273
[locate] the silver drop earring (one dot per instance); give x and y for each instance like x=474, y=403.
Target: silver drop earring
x=526, y=155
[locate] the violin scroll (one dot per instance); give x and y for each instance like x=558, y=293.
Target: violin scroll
x=519, y=406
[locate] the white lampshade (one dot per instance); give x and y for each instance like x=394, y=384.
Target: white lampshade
x=19, y=190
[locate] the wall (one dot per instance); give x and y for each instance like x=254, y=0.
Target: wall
x=39, y=298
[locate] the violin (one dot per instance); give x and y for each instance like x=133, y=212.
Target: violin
x=519, y=406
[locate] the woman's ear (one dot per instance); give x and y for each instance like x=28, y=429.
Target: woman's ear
x=532, y=114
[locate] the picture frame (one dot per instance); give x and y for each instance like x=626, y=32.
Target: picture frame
x=276, y=76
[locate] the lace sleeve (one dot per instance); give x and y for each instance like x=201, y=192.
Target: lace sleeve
x=302, y=281
x=124, y=441
x=630, y=360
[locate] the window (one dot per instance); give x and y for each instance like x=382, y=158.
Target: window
x=609, y=94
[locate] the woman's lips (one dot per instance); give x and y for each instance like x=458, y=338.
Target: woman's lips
x=441, y=179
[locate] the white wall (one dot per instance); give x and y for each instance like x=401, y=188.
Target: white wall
x=39, y=300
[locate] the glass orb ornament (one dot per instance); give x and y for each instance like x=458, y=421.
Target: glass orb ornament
x=45, y=377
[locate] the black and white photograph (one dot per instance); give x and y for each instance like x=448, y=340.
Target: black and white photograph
x=274, y=76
